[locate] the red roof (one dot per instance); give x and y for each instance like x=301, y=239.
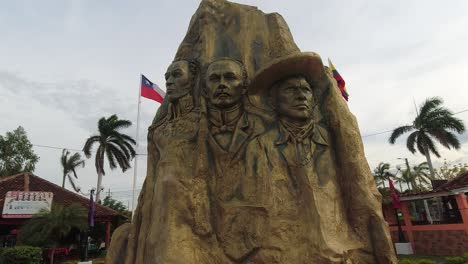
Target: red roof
x=459, y=182
x=61, y=195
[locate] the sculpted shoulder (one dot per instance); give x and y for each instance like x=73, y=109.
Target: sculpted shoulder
x=257, y=124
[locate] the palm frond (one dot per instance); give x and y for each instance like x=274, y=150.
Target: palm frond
x=425, y=141
x=446, y=138
x=411, y=141
x=99, y=161
x=89, y=145
x=111, y=159
x=398, y=132
x=449, y=123
x=120, y=124
x=428, y=105
x=72, y=183
x=120, y=157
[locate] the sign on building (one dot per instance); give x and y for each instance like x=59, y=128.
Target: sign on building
x=20, y=204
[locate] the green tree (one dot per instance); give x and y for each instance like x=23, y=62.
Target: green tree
x=70, y=165
x=49, y=228
x=16, y=153
x=432, y=122
x=421, y=173
x=116, y=146
x=449, y=171
x=381, y=173
x=406, y=177
x=116, y=205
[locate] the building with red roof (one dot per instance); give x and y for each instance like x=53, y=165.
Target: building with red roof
x=435, y=221
x=29, y=182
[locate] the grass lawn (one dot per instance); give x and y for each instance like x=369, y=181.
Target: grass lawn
x=434, y=258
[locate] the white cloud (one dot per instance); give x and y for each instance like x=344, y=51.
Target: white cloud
x=66, y=64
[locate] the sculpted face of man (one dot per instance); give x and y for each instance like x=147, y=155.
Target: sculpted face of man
x=224, y=83
x=294, y=99
x=178, y=80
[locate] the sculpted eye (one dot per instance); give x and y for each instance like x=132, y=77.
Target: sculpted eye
x=177, y=73
x=166, y=76
x=214, y=77
x=230, y=76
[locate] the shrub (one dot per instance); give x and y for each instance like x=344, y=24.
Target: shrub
x=407, y=261
x=416, y=261
x=22, y=255
x=455, y=260
x=426, y=261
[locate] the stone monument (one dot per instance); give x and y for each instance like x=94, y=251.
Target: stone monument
x=253, y=157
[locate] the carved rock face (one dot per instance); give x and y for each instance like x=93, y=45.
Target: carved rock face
x=224, y=83
x=178, y=80
x=293, y=99
x=230, y=181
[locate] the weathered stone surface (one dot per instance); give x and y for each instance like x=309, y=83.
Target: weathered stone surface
x=271, y=172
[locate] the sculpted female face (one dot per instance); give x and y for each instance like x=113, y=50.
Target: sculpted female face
x=178, y=80
x=294, y=99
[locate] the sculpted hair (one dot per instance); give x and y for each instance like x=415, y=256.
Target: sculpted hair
x=245, y=76
x=194, y=68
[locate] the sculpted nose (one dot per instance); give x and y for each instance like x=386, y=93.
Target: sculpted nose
x=301, y=96
x=222, y=84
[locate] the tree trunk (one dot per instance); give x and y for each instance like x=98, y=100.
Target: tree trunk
x=409, y=188
x=63, y=181
x=429, y=162
x=98, y=189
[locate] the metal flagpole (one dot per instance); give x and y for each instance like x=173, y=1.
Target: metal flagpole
x=135, y=167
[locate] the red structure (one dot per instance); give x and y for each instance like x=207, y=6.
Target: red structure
x=434, y=222
x=29, y=182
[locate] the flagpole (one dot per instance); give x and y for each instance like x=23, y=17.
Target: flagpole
x=135, y=167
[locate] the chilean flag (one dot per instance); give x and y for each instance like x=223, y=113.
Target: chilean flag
x=151, y=90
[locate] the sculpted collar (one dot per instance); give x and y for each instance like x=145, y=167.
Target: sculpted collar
x=292, y=132
x=180, y=107
x=225, y=117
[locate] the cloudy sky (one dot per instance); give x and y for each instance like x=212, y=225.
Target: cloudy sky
x=65, y=64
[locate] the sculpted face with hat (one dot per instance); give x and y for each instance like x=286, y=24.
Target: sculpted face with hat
x=290, y=168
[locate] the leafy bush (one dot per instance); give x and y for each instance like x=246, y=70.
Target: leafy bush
x=426, y=261
x=406, y=261
x=455, y=260
x=416, y=261
x=21, y=255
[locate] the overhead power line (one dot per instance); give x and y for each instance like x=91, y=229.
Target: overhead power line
x=145, y=154
x=79, y=150
x=389, y=131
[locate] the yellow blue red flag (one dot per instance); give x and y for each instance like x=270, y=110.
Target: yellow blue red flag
x=339, y=80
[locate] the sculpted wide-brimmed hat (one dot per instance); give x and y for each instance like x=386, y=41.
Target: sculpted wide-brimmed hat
x=307, y=64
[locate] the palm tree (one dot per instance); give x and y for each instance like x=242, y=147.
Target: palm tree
x=432, y=122
x=421, y=172
x=381, y=173
x=406, y=177
x=69, y=165
x=51, y=227
x=117, y=147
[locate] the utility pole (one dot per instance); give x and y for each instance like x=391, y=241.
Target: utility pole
x=401, y=237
